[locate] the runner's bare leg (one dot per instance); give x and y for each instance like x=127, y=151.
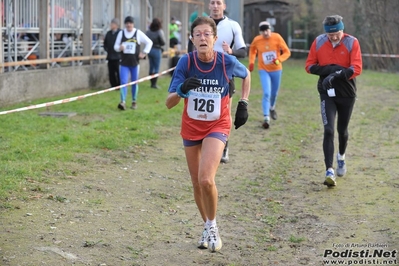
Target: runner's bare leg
x=193, y=156
x=212, y=149
x=203, y=161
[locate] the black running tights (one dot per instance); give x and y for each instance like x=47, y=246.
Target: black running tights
x=330, y=107
x=113, y=72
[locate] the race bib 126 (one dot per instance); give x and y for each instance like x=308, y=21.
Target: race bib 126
x=204, y=106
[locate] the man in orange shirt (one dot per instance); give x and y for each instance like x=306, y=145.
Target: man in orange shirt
x=336, y=58
x=272, y=51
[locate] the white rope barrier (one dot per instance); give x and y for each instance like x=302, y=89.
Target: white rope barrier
x=364, y=55
x=67, y=100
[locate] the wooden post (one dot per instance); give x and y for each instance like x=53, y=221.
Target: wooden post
x=44, y=31
x=143, y=15
x=165, y=22
x=87, y=27
x=240, y=20
x=118, y=12
x=201, y=9
x=184, y=29
x=1, y=39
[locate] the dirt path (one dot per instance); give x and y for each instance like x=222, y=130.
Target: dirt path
x=136, y=207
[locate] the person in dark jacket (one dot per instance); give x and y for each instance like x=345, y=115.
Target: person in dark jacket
x=113, y=57
x=156, y=34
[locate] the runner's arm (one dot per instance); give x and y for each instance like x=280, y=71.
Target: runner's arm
x=355, y=67
x=313, y=67
x=142, y=38
x=356, y=59
x=241, y=71
x=239, y=43
x=252, y=52
x=179, y=76
x=286, y=53
x=239, y=53
x=117, y=45
x=324, y=70
x=246, y=87
x=172, y=100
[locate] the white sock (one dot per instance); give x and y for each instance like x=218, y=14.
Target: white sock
x=330, y=169
x=341, y=157
x=210, y=223
x=272, y=108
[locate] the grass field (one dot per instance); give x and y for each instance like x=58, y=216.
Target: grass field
x=38, y=148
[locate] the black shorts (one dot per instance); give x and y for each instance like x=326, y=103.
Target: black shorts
x=232, y=88
x=220, y=136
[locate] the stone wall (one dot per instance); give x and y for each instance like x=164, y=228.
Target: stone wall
x=25, y=86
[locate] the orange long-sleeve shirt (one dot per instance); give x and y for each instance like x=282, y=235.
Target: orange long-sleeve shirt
x=346, y=54
x=267, y=50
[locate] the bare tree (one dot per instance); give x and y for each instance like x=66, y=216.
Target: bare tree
x=373, y=22
x=377, y=31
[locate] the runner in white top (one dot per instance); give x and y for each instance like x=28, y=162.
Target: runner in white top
x=230, y=38
x=128, y=43
x=230, y=41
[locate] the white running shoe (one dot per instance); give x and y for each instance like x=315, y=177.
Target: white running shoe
x=203, y=242
x=341, y=169
x=330, y=178
x=214, y=240
x=266, y=122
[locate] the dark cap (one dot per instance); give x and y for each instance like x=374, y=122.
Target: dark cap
x=264, y=25
x=129, y=19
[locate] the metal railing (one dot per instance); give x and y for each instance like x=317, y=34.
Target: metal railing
x=20, y=29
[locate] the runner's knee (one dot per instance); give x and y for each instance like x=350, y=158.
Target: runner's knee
x=266, y=94
x=207, y=183
x=196, y=185
x=343, y=133
x=328, y=132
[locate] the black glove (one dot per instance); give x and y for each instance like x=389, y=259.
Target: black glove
x=241, y=114
x=183, y=90
x=345, y=73
x=324, y=70
x=189, y=84
x=327, y=82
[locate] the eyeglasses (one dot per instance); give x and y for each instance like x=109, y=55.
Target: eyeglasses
x=206, y=34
